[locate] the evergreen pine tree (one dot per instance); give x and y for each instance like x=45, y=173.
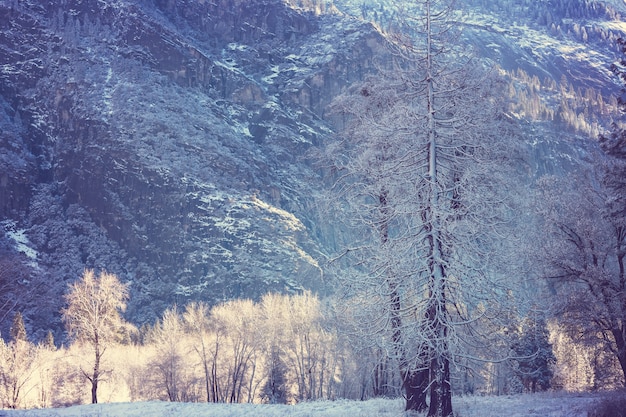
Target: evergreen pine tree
x=18, y=330
x=49, y=341
x=536, y=358
x=275, y=389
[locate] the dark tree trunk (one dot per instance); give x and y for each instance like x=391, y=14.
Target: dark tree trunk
x=415, y=385
x=440, y=392
x=380, y=383
x=96, y=372
x=94, y=391
x=620, y=342
x=414, y=382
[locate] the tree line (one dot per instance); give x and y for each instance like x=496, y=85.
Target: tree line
x=278, y=350
x=281, y=349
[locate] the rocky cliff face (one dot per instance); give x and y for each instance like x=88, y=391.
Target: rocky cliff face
x=166, y=141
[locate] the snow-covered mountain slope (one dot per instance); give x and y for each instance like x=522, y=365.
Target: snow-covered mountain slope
x=556, y=56
x=167, y=141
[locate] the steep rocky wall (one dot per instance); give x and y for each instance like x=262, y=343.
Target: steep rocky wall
x=166, y=141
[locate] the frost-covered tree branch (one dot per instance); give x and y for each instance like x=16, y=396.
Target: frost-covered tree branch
x=422, y=166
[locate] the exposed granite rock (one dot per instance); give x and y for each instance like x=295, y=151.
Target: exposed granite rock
x=173, y=134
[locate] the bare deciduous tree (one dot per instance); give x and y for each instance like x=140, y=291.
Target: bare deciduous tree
x=585, y=257
x=273, y=321
x=310, y=348
x=18, y=363
x=168, y=337
x=196, y=319
x=239, y=320
x=93, y=316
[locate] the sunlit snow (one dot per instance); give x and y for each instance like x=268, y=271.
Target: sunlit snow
x=20, y=240
x=536, y=405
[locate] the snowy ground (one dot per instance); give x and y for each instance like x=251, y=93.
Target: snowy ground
x=538, y=405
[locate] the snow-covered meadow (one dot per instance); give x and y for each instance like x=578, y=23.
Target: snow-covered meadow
x=535, y=405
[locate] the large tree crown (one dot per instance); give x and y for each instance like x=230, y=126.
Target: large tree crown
x=94, y=305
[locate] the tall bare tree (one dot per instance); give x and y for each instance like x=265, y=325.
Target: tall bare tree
x=420, y=173
x=239, y=321
x=584, y=253
x=167, y=336
x=273, y=321
x=18, y=364
x=93, y=316
x=196, y=318
x=585, y=249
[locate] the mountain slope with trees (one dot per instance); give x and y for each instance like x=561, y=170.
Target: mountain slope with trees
x=169, y=142
x=166, y=143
